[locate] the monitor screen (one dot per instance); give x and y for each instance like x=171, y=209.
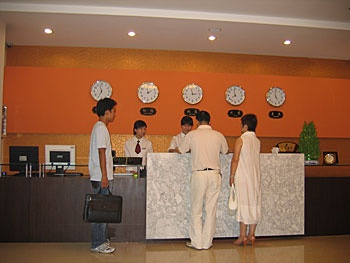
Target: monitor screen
x=60, y=157
x=22, y=155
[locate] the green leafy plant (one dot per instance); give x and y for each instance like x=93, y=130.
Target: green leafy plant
x=308, y=142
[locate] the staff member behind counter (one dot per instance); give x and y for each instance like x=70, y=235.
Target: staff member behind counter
x=138, y=146
x=186, y=127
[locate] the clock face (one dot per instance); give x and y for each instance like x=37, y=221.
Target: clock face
x=101, y=89
x=192, y=94
x=148, y=92
x=235, y=95
x=275, y=96
x=329, y=158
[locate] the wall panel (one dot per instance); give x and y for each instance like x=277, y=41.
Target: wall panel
x=57, y=100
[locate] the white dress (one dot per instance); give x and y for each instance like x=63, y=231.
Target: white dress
x=247, y=180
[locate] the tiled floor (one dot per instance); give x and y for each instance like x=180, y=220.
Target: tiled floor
x=291, y=249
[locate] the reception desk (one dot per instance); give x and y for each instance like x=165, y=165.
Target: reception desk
x=50, y=209
x=168, y=196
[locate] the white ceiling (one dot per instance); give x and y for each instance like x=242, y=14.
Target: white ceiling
x=317, y=28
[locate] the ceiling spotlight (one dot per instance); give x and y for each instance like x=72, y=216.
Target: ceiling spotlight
x=211, y=38
x=131, y=34
x=48, y=31
x=287, y=42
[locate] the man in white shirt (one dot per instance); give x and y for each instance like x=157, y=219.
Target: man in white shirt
x=138, y=146
x=205, y=145
x=101, y=168
x=186, y=127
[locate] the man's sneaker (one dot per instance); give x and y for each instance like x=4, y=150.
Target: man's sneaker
x=104, y=249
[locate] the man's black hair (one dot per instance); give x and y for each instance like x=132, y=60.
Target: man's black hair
x=203, y=116
x=186, y=120
x=103, y=105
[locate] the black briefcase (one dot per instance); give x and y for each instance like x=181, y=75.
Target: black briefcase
x=103, y=208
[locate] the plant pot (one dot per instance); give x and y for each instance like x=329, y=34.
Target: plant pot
x=311, y=162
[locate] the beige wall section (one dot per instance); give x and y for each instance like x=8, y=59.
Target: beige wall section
x=2, y=67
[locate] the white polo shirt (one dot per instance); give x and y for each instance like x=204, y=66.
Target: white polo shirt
x=206, y=145
x=176, y=140
x=100, y=138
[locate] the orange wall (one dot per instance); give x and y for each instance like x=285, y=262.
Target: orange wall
x=47, y=89
x=57, y=100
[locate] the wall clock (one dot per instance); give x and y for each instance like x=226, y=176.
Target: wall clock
x=235, y=95
x=330, y=158
x=275, y=96
x=101, y=89
x=192, y=94
x=148, y=92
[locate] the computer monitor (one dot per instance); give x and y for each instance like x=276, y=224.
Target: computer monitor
x=60, y=158
x=22, y=156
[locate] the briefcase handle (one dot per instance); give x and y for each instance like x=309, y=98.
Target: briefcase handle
x=109, y=190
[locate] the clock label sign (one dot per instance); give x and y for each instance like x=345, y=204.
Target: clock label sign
x=276, y=114
x=148, y=111
x=235, y=113
x=191, y=111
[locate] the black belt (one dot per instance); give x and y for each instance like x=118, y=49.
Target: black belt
x=206, y=169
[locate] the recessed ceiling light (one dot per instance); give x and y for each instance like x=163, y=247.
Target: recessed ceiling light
x=211, y=38
x=48, y=31
x=131, y=34
x=287, y=42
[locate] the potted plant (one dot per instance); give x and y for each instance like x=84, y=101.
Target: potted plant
x=309, y=144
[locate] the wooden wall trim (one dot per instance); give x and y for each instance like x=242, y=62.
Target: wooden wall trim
x=137, y=59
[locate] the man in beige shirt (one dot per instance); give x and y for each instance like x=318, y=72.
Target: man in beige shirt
x=205, y=145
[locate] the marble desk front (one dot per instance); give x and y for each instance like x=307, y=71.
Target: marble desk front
x=168, y=196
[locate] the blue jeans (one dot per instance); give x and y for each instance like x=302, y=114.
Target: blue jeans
x=99, y=230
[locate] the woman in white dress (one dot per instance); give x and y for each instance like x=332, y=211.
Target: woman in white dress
x=245, y=174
